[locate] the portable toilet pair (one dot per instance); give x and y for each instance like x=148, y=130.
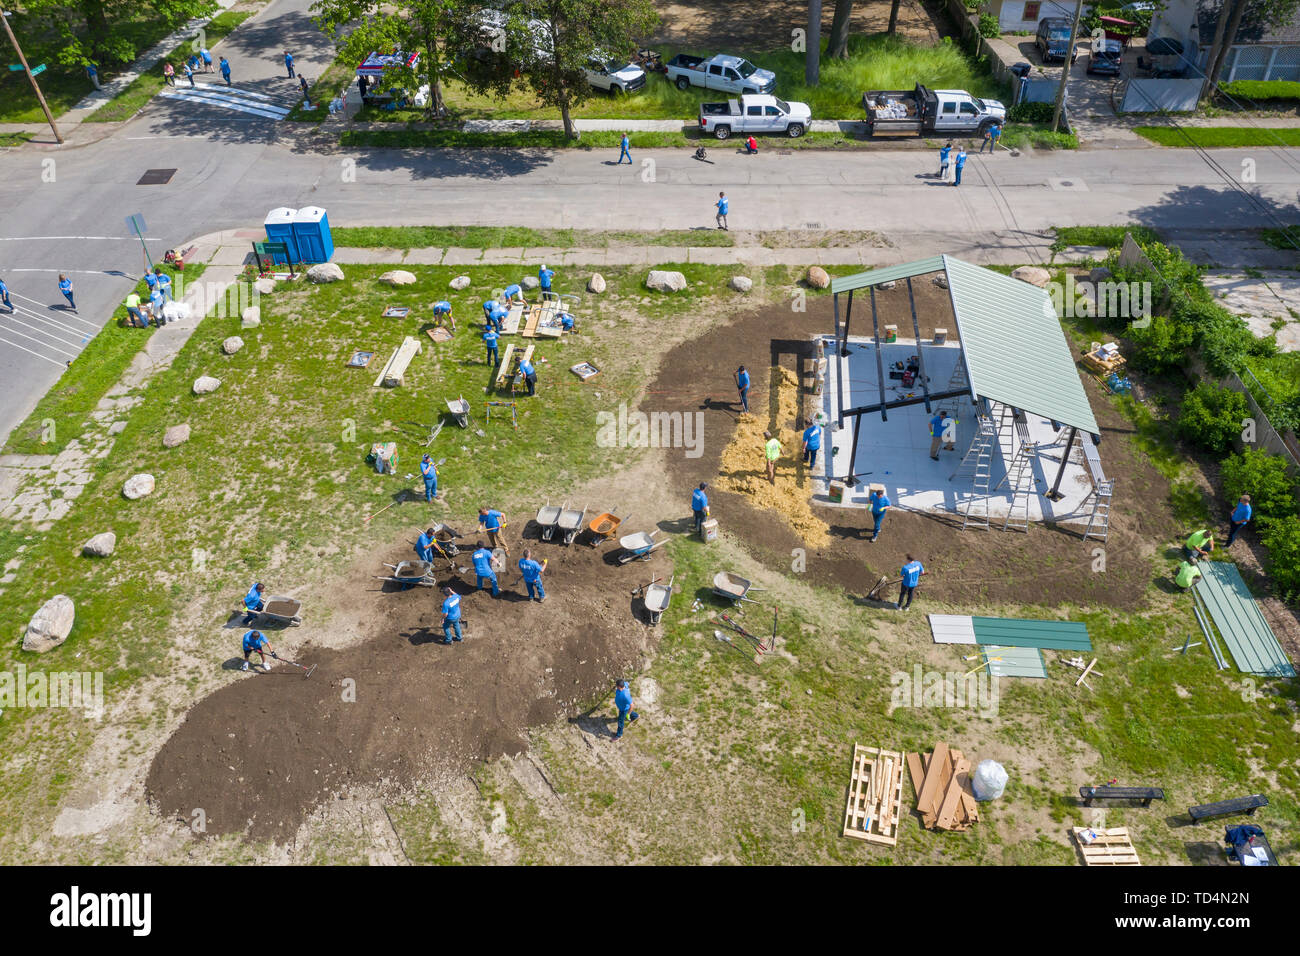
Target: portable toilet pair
x=279, y=228
x=311, y=233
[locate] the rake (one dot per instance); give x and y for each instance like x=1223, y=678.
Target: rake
x=285, y=660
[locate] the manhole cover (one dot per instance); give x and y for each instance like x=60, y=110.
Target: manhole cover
x=156, y=177
x=1065, y=183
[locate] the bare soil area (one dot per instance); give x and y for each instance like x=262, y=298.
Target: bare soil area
x=733, y=25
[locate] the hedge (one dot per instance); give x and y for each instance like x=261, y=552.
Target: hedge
x=1262, y=89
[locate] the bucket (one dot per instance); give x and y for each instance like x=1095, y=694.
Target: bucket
x=710, y=529
x=837, y=491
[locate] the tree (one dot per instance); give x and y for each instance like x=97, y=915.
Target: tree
x=84, y=31
x=838, y=44
x=813, y=51
x=1247, y=19
x=893, y=17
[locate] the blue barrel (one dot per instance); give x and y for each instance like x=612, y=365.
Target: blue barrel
x=279, y=228
x=311, y=231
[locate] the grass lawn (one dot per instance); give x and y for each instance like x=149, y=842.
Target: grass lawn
x=14, y=139
x=405, y=138
x=1220, y=137
x=1286, y=239
x=505, y=237
x=1112, y=237
x=129, y=102
x=326, y=86
x=101, y=363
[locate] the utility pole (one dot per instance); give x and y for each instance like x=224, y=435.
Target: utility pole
x=4, y=18
x=1065, y=68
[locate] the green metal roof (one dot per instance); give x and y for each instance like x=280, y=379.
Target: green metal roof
x=1014, y=661
x=1016, y=352
x=1014, y=632
x=1254, y=647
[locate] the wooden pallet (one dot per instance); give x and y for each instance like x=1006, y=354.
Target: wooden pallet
x=1111, y=848
x=542, y=319
x=873, y=810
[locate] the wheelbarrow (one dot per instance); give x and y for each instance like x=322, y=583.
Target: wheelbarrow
x=459, y=411
x=410, y=573
x=656, y=599
x=637, y=545
x=547, y=517
x=446, y=536
x=733, y=587
x=570, y=522
x=282, y=610
x=603, y=526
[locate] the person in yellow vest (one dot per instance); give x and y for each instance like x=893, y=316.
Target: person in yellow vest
x=1199, y=545
x=771, y=451
x=135, y=316
x=1187, y=575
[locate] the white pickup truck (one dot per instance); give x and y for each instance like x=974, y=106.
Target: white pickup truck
x=922, y=111
x=729, y=74
x=755, y=113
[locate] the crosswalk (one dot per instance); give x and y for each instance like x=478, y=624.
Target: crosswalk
x=54, y=337
x=227, y=97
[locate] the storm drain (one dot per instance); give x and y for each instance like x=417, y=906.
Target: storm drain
x=156, y=177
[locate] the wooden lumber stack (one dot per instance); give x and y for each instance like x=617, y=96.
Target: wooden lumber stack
x=1106, y=847
x=944, y=798
x=875, y=800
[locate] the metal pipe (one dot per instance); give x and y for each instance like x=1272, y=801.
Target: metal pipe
x=920, y=358
x=880, y=361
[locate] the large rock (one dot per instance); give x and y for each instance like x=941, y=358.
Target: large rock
x=232, y=345
x=324, y=272
x=1099, y=274
x=206, y=383
x=1034, y=275
x=663, y=281
x=817, y=277
x=529, y=282
x=460, y=282
x=50, y=626
x=264, y=286
x=397, y=277
x=138, y=486
x=100, y=546
x=741, y=283
x=251, y=317
x=176, y=435
x=941, y=280
x=596, y=283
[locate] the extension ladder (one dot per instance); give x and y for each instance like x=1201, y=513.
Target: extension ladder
x=1099, y=522
x=978, y=461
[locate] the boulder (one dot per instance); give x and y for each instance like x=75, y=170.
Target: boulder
x=529, y=282
x=205, y=383
x=251, y=322
x=137, y=486
x=596, y=283
x=662, y=281
x=232, y=345
x=1034, y=275
x=264, y=286
x=324, y=272
x=817, y=277
x=50, y=626
x=460, y=282
x=397, y=277
x=176, y=435
x=252, y=314
x=1099, y=274
x=941, y=280
x=100, y=546
x=741, y=283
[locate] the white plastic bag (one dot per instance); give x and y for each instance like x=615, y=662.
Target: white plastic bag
x=989, y=780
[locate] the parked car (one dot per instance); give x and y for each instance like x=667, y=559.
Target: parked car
x=1053, y=40
x=755, y=113
x=1105, y=57
x=922, y=110
x=729, y=74
x=614, y=77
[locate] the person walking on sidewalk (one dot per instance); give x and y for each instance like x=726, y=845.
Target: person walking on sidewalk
x=945, y=154
x=4, y=296
x=1240, y=515
x=959, y=166
x=225, y=70
x=623, y=151
x=723, y=205
x=65, y=286
x=169, y=74
x=623, y=701
x=288, y=63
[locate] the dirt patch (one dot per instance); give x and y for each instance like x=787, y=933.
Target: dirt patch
x=1048, y=564
x=397, y=708
x=734, y=26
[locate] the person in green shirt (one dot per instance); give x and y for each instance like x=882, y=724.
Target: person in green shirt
x=1187, y=575
x=772, y=451
x=133, y=310
x=1199, y=545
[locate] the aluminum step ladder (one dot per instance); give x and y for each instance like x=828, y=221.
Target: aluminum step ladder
x=1020, y=480
x=958, y=380
x=1099, y=522
x=978, y=461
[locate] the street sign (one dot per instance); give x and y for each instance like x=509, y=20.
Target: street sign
x=38, y=69
x=136, y=224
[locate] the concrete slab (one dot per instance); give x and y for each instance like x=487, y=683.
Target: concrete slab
x=430, y=256
x=458, y=256
x=1262, y=301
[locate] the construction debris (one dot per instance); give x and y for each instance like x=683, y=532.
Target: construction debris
x=1106, y=847
x=944, y=798
x=875, y=800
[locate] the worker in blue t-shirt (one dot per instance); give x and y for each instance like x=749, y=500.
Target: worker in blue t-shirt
x=424, y=545
x=723, y=206
x=1240, y=515
x=482, y=559
x=532, y=574
x=812, y=443
x=65, y=286
x=493, y=521
x=429, y=472
x=490, y=340
x=253, y=603
x=910, y=577
x=623, y=701
x=4, y=296
x=442, y=314
x=288, y=63
x=940, y=425
x=451, y=616
x=879, y=505
x=959, y=166
x=530, y=375
x=700, y=507
x=256, y=641
x=944, y=153
x=544, y=277
x=164, y=283
x=512, y=291
x=742, y=386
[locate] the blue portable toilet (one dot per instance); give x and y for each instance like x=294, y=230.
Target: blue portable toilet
x=311, y=230
x=279, y=228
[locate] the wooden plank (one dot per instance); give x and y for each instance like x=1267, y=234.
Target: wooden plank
x=875, y=796
x=930, y=788
x=1086, y=672
x=503, y=370
x=394, y=370
x=948, y=810
x=917, y=769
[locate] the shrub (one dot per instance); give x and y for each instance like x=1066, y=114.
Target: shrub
x=1265, y=479
x=1282, y=538
x=1262, y=89
x=1162, y=345
x=1211, y=417
x=1030, y=113
x=989, y=26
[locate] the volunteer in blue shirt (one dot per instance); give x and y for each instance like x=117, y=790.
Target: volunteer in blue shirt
x=742, y=386
x=944, y=152
x=151, y=281
x=623, y=701
x=700, y=507
x=156, y=303
x=4, y=296
x=911, y=577
x=490, y=340
x=544, y=277
x=1240, y=515
x=493, y=521
x=960, y=165
x=497, y=317
x=812, y=443
x=164, y=282
x=451, y=617
x=482, y=559
x=512, y=291
x=288, y=63
x=623, y=151
x=256, y=641
x=567, y=321
x=442, y=314
x=723, y=205
x=879, y=505
x=424, y=545
x=429, y=472
x=530, y=375
x=532, y=572
x=939, y=426
x=65, y=286
x=253, y=603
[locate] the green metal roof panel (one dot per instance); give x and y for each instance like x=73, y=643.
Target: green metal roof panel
x=1016, y=352
x=887, y=274
x=1014, y=632
x=1254, y=647
x=1014, y=661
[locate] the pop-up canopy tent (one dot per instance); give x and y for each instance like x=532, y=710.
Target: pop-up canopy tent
x=376, y=63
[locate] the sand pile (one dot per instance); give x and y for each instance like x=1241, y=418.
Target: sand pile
x=742, y=470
